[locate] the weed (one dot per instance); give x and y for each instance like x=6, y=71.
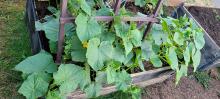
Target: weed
x=203, y=78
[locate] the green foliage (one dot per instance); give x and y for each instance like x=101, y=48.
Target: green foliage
x=179, y=41
x=38, y=68
x=109, y=52
x=36, y=85
x=87, y=28
x=37, y=63
x=51, y=29
x=68, y=77
x=203, y=78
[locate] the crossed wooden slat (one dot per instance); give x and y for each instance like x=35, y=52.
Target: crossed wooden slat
x=66, y=18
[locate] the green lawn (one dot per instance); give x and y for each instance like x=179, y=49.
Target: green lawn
x=14, y=46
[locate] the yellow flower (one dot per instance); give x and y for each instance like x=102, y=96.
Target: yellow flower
x=85, y=44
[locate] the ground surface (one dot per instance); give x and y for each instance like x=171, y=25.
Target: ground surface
x=188, y=88
x=14, y=46
x=209, y=19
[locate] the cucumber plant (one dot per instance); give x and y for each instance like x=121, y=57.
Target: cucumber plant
x=106, y=53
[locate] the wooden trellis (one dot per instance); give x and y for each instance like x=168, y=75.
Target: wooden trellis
x=66, y=18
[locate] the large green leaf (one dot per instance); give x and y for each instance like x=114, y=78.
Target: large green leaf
x=196, y=59
x=114, y=53
x=51, y=28
x=172, y=58
x=37, y=63
x=87, y=28
x=108, y=36
x=36, y=85
x=69, y=76
x=94, y=55
x=65, y=73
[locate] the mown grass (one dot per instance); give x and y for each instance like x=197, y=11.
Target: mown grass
x=14, y=46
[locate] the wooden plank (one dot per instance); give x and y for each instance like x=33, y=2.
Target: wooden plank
x=110, y=18
x=156, y=76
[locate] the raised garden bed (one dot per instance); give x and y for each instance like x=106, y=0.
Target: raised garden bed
x=136, y=78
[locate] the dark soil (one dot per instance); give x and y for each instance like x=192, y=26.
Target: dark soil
x=209, y=18
x=135, y=9
x=188, y=88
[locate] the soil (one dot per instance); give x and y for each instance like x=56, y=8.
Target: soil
x=131, y=7
x=209, y=18
x=188, y=88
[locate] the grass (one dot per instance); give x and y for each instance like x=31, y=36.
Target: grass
x=14, y=46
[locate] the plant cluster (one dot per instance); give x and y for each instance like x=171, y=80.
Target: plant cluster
x=105, y=53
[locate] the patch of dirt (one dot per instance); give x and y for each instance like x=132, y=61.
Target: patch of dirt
x=188, y=88
x=135, y=9
x=209, y=18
